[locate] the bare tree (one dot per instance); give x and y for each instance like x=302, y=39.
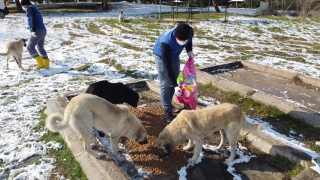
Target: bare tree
x=304, y=7
x=215, y=5
x=18, y=6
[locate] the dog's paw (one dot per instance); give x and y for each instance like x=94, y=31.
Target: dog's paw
x=96, y=155
x=191, y=161
x=187, y=148
x=118, y=158
x=228, y=160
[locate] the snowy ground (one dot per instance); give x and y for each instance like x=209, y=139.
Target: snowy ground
x=71, y=45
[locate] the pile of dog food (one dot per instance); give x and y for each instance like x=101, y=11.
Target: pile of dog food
x=146, y=155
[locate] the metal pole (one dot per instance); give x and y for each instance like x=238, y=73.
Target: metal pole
x=208, y=8
x=177, y=8
x=160, y=11
x=188, y=9
x=201, y=11
x=155, y=9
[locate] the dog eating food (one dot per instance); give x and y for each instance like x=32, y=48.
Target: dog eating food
x=86, y=111
x=194, y=125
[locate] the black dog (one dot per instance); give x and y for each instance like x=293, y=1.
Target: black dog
x=115, y=93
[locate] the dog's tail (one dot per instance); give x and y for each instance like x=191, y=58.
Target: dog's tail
x=250, y=127
x=56, y=123
x=4, y=54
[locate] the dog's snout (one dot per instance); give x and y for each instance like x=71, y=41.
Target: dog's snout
x=145, y=141
x=163, y=154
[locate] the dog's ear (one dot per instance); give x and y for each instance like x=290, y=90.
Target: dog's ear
x=168, y=147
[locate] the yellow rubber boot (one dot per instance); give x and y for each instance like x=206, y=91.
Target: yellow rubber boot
x=46, y=63
x=40, y=65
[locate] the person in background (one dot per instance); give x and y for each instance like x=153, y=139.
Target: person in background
x=167, y=50
x=38, y=34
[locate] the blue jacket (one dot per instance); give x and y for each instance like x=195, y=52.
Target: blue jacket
x=168, y=49
x=35, y=20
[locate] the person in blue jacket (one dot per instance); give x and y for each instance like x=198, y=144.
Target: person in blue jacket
x=167, y=50
x=38, y=34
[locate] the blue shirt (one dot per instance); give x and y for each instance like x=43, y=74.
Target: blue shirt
x=168, y=49
x=35, y=20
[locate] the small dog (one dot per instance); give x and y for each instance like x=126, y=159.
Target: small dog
x=194, y=125
x=86, y=111
x=15, y=48
x=116, y=32
x=121, y=18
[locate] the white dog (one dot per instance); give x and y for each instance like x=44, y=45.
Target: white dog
x=116, y=32
x=121, y=18
x=194, y=125
x=15, y=48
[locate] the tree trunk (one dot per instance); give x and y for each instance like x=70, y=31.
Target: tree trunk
x=19, y=6
x=215, y=5
x=104, y=4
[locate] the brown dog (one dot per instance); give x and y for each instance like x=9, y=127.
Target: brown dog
x=194, y=125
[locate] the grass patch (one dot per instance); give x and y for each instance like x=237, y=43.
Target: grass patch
x=65, y=163
x=275, y=29
x=199, y=33
x=58, y=26
x=83, y=68
x=281, y=38
x=242, y=58
x=256, y=30
x=208, y=46
x=75, y=35
x=107, y=51
x=66, y=43
x=128, y=46
x=277, y=53
x=297, y=59
x=94, y=29
x=109, y=61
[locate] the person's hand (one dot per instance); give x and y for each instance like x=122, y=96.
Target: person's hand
x=33, y=34
x=190, y=54
x=177, y=91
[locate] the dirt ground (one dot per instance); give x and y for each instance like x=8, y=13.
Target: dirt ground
x=212, y=165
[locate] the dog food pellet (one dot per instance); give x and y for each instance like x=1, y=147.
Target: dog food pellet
x=146, y=155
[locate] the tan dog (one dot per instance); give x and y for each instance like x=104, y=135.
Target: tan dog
x=121, y=18
x=194, y=125
x=86, y=111
x=14, y=48
x=116, y=31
